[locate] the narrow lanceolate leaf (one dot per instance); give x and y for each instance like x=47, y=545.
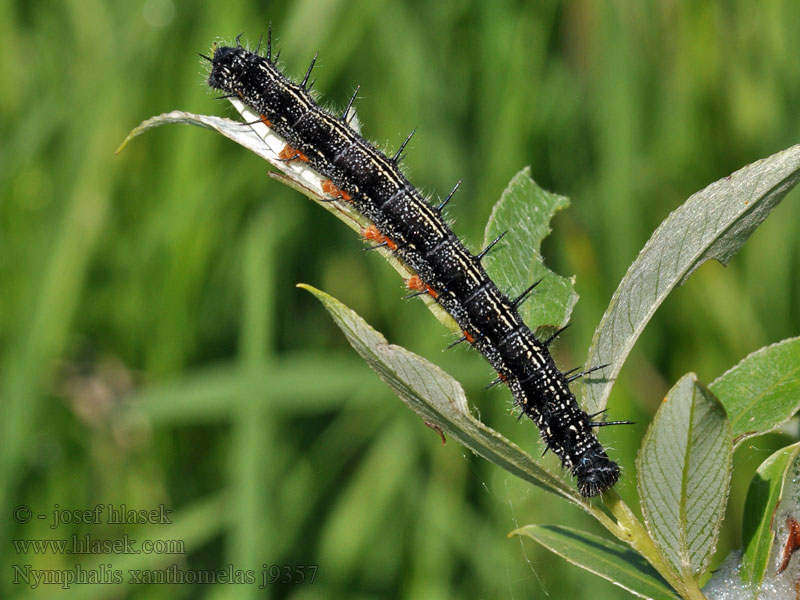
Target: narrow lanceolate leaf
x=713, y=223
x=254, y=135
x=760, y=511
x=616, y=563
x=684, y=470
x=261, y=140
x=438, y=399
x=762, y=392
x=241, y=133
x=524, y=212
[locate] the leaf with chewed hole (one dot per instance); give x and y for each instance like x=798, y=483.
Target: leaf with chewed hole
x=713, y=223
x=762, y=392
x=758, y=524
x=617, y=563
x=525, y=211
x=438, y=398
x=684, y=469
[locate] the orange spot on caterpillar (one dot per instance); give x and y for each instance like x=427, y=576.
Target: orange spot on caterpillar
x=329, y=188
x=468, y=336
x=265, y=120
x=372, y=233
x=286, y=153
x=290, y=154
x=415, y=283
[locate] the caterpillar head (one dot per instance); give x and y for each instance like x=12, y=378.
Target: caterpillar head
x=596, y=473
x=227, y=66
x=256, y=81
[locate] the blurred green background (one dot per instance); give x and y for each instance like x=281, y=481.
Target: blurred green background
x=156, y=351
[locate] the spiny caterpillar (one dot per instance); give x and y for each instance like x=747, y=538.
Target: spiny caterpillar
x=357, y=172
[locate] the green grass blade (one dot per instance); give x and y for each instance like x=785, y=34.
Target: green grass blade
x=341, y=544
x=301, y=383
x=56, y=288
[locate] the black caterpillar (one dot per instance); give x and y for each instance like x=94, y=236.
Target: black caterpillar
x=415, y=231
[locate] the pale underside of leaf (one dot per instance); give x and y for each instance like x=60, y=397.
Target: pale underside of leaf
x=684, y=471
x=713, y=223
x=254, y=135
x=440, y=401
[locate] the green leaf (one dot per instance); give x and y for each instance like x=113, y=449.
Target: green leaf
x=524, y=211
x=438, y=399
x=617, y=563
x=763, y=497
x=713, y=223
x=341, y=546
x=684, y=469
x=762, y=392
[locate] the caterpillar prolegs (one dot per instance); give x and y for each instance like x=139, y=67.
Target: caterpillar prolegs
x=359, y=173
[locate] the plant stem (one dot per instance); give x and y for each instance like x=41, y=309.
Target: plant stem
x=631, y=531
